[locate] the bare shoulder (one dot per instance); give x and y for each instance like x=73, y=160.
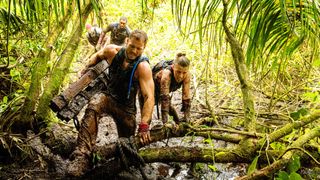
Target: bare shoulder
x=166, y=73
x=109, y=52
x=144, y=67
x=111, y=49
x=143, y=71
x=144, y=64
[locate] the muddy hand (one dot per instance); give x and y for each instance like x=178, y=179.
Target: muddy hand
x=144, y=133
x=145, y=138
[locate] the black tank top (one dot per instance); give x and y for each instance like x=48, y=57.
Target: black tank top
x=118, y=81
x=174, y=85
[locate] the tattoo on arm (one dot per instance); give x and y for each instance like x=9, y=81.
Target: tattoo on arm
x=165, y=84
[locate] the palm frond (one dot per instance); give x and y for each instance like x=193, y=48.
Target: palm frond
x=264, y=27
x=15, y=21
x=79, y=9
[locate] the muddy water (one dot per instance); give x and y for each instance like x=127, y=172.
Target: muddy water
x=108, y=134
x=203, y=171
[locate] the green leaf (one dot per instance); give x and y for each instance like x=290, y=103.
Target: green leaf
x=221, y=154
x=213, y=167
x=316, y=63
x=298, y=114
x=294, y=176
x=55, y=6
x=96, y=158
x=5, y=100
x=209, y=141
x=278, y=146
x=311, y=96
x=282, y=175
x=79, y=9
x=13, y=73
x=294, y=165
x=253, y=165
x=62, y=7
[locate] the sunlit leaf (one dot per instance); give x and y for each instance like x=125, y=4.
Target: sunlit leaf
x=253, y=165
x=278, y=146
x=55, y=7
x=220, y=154
x=213, y=167
x=266, y=26
x=5, y=100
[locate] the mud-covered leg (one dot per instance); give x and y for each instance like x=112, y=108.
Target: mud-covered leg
x=87, y=136
x=88, y=132
x=85, y=142
x=126, y=123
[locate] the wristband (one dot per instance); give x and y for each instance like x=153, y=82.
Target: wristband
x=143, y=127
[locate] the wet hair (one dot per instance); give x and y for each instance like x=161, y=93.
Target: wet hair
x=139, y=35
x=123, y=18
x=182, y=60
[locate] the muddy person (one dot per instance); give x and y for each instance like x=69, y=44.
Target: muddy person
x=169, y=79
x=93, y=34
x=118, y=100
x=119, y=33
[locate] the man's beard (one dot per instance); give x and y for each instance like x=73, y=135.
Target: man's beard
x=127, y=58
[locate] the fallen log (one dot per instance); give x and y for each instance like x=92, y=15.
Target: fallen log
x=249, y=146
x=110, y=164
x=286, y=158
x=68, y=104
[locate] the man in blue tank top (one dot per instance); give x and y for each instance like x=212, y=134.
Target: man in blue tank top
x=128, y=72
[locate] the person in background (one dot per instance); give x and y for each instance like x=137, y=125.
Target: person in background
x=119, y=33
x=128, y=72
x=93, y=34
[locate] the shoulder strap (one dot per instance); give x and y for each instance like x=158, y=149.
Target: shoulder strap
x=132, y=73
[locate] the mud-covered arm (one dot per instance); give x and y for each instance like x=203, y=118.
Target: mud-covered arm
x=186, y=97
x=106, y=53
x=147, y=90
x=164, y=94
x=144, y=74
x=101, y=37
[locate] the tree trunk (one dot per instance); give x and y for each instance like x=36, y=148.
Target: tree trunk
x=242, y=72
x=40, y=69
x=61, y=70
